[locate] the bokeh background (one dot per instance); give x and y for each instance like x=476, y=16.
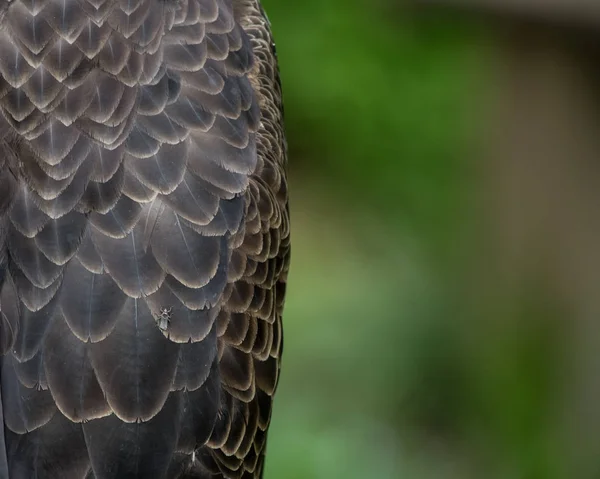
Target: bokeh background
x=435, y=325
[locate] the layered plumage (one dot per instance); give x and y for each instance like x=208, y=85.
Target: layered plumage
x=144, y=238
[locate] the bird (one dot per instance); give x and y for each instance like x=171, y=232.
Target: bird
x=144, y=238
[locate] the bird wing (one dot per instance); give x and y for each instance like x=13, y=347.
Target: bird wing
x=3, y=458
x=144, y=237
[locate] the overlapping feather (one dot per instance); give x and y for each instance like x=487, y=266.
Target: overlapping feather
x=142, y=180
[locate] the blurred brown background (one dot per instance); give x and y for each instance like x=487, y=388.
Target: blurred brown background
x=443, y=312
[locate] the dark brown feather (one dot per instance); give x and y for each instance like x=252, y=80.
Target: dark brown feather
x=144, y=238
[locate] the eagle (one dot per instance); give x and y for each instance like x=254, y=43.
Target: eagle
x=144, y=238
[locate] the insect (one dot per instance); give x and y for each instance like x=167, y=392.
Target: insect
x=163, y=318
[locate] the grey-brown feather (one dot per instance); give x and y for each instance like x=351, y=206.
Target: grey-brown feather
x=144, y=238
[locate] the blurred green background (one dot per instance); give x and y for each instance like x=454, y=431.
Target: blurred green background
x=389, y=371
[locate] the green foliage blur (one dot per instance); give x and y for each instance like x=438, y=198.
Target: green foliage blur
x=373, y=115
x=381, y=378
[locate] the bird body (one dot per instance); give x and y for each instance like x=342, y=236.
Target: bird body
x=144, y=238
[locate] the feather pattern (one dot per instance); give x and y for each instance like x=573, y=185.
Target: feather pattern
x=144, y=238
